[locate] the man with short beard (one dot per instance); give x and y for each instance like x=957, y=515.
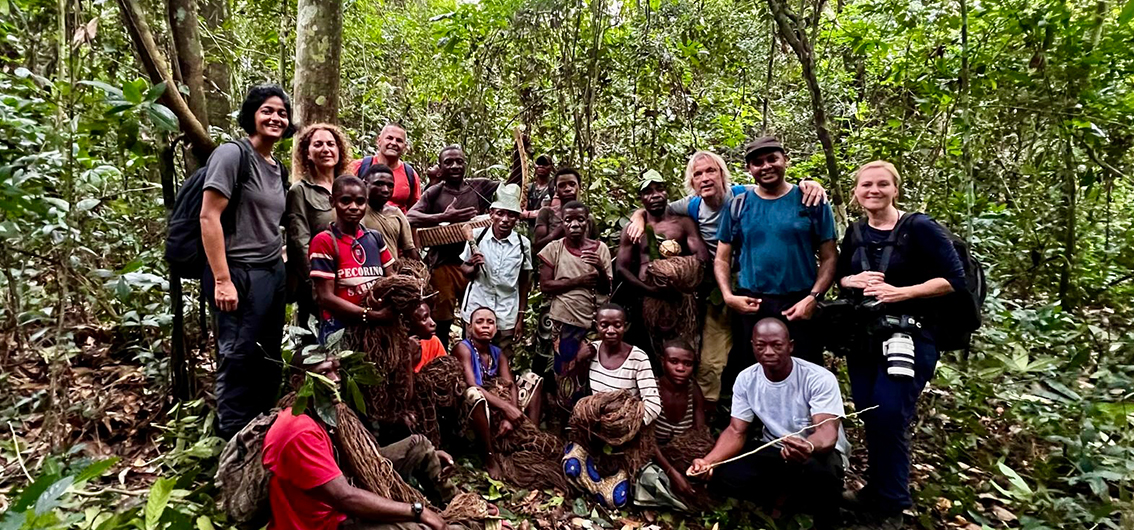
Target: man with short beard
x=455, y=200
x=391, y=143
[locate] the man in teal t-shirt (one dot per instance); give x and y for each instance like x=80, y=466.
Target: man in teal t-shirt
x=787, y=252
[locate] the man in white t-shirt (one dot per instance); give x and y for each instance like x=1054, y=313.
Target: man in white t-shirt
x=786, y=395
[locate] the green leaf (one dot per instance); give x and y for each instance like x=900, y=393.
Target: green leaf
x=96, y=469
x=162, y=117
x=1127, y=13
x=112, y=92
x=301, y=397
x=325, y=408
x=87, y=204
x=132, y=91
x=157, y=501
x=32, y=492
x=1014, y=478
x=155, y=92
x=204, y=523
x=49, y=499
x=334, y=338
x=356, y=396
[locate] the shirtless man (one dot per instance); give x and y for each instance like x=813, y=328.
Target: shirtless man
x=635, y=256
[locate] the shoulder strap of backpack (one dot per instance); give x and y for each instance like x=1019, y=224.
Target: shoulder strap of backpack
x=411, y=179
x=481, y=236
x=856, y=243
x=364, y=166
x=891, y=242
x=694, y=206
x=736, y=206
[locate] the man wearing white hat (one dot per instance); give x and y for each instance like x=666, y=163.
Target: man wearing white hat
x=498, y=264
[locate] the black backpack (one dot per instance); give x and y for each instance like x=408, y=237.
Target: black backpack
x=184, y=250
x=959, y=311
x=411, y=175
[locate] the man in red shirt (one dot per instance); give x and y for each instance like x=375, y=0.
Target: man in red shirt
x=308, y=491
x=391, y=143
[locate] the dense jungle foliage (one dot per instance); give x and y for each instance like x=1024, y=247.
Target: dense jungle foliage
x=1011, y=121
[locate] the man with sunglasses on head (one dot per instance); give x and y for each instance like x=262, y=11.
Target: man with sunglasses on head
x=346, y=260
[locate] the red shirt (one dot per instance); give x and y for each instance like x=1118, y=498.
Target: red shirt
x=361, y=259
x=430, y=349
x=298, y=453
x=401, y=196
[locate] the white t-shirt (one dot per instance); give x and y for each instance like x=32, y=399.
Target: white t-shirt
x=787, y=406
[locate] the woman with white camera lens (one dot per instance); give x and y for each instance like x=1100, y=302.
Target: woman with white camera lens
x=896, y=263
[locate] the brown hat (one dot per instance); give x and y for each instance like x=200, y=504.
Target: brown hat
x=765, y=143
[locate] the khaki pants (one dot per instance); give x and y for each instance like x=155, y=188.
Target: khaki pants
x=716, y=342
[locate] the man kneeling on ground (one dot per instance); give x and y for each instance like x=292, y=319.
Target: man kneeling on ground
x=308, y=491
x=787, y=395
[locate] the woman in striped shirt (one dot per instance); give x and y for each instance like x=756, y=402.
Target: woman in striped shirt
x=614, y=365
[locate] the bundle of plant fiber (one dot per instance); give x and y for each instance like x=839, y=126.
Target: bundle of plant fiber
x=682, y=449
x=613, y=419
x=675, y=317
x=373, y=471
x=412, y=267
x=438, y=388
x=388, y=346
x=530, y=458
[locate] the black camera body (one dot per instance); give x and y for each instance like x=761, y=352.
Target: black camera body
x=850, y=324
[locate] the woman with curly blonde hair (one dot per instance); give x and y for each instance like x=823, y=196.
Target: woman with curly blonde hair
x=321, y=153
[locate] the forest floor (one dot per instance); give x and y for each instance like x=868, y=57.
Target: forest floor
x=111, y=408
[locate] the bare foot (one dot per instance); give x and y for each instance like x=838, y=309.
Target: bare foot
x=494, y=469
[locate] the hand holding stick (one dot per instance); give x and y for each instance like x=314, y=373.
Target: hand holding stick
x=710, y=467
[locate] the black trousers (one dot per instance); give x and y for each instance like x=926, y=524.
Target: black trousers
x=248, y=340
x=803, y=333
x=814, y=486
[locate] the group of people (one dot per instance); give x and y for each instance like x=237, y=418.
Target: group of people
x=718, y=293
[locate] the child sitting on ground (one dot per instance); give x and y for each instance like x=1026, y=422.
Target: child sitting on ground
x=663, y=483
x=492, y=387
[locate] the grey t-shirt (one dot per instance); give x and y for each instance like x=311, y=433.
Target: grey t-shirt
x=257, y=237
x=708, y=219
x=787, y=406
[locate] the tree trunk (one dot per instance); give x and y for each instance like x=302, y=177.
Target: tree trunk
x=179, y=370
x=796, y=37
x=318, y=45
x=155, y=67
x=218, y=78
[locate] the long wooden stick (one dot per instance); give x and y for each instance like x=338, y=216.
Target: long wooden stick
x=778, y=440
x=518, y=135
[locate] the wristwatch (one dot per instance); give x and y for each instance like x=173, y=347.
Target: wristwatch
x=417, y=509
x=816, y=295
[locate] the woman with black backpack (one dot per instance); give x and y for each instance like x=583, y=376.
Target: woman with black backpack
x=894, y=264
x=241, y=213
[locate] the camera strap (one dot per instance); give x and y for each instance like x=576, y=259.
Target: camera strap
x=890, y=243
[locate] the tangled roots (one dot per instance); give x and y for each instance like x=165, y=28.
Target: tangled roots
x=614, y=419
